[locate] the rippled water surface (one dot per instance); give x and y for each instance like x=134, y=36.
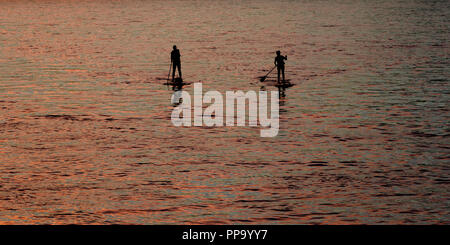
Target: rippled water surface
x=86, y=136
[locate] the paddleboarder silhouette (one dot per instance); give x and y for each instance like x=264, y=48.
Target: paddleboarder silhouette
x=176, y=61
x=279, y=62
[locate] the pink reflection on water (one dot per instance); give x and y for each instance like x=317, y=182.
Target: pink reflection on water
x=86, y=137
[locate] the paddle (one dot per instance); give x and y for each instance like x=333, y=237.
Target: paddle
x=263, y=78
x=168, y=75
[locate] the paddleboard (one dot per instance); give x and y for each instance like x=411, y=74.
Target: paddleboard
x=285, y=84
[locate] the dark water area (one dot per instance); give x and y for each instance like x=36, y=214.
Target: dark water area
x=86, y=135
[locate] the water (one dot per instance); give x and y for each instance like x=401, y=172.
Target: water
x=86, y=136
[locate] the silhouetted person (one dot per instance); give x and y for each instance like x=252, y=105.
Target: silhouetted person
x=176, y=62
x=279, y=62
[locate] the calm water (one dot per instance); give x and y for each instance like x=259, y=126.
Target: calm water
x=86, y=136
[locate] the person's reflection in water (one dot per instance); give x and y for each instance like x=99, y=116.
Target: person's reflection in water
x=177, y=85
x=177, y=98
x=282, y=96
x=279, y=62
x=175, y=58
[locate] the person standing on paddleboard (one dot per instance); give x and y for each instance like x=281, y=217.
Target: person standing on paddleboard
x=279, y=62
x=176, y=61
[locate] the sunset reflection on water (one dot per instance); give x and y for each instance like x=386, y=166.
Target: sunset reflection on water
x=86, y=136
